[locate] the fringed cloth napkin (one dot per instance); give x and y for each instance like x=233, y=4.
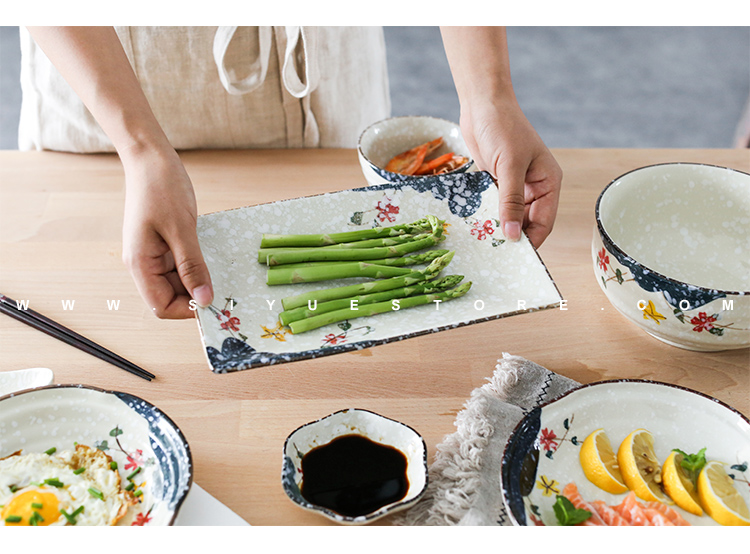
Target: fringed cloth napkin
x=464, y=480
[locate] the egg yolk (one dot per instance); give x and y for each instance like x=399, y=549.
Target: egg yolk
x=29, y=503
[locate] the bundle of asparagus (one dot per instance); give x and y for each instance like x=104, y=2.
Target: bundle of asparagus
x=382, y=253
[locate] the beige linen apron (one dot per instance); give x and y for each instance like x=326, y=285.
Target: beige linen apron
x=225, y=87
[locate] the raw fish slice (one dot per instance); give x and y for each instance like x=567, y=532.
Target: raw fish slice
x=631, y=510
x=670, y=513
x=608, y=514
x=571, y=493
x=657, y=518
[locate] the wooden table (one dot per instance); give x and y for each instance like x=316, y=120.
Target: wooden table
x=60, y=224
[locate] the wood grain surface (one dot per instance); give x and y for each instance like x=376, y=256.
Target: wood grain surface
x=60, y=225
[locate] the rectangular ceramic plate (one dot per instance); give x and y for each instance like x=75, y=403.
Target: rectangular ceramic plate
x=241, y=329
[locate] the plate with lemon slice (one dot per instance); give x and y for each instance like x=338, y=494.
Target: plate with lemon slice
x=629, y=452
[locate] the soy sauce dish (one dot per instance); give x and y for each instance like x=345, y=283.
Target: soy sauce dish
x=354, y=466
x=671, y=251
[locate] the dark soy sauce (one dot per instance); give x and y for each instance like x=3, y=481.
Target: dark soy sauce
x=353, y=475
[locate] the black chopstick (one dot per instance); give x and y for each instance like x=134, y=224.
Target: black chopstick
x=8, y=306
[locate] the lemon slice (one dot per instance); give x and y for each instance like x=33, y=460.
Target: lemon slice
x=639, y=466
x=679, y=486
x=599, y=463
x=719, y=497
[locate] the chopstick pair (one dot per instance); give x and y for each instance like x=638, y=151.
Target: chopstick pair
x=9, y=307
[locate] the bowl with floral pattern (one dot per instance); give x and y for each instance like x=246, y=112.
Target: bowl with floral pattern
x=149, y=449
x=542, y=456
x=355, y=496
x=383, y=140
x=671, y=251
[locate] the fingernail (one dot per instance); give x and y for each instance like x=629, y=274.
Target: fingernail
x=512, y=230
x=203, y=295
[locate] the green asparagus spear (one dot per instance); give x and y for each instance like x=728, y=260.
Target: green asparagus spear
x=263, y=253
x=403, y=261
x=425, y=287
x=324, y=295
x=317, y=321
x=283, y=241
x=281, y=275
x=420, y=242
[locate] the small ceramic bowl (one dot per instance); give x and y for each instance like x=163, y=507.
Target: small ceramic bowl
x=132, y=431
x=671, y=252
x=368, y=424
x=385, y=139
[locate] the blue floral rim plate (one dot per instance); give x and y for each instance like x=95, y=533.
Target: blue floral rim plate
x=241, y=329
x=542, y=454
x=142, y=439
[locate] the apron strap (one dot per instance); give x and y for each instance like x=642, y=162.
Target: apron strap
x=298, y=87
x=302, y=87
x=257, y=68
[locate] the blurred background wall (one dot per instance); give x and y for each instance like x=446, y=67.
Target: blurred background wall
x=581, y=87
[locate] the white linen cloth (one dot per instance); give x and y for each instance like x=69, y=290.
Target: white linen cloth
x=464, y=479
x=224, y=87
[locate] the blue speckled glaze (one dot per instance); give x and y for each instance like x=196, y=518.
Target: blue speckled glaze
x=462, y=191
x=170, y=447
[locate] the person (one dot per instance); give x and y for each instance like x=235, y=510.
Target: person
x=320, y=108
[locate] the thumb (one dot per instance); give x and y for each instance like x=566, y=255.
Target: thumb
x=510, y=183
x=192, y=269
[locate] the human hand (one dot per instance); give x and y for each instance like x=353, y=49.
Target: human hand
x=160, y=243
x=502, y=141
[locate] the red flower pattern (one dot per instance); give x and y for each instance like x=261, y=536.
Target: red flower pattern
x=603, y=259
x=387, y=211
x=227, y=321
x=481, y=230
x=135, y=460
x=332, y=339
x=549, y=439
x=703, y=322
x=142, y=519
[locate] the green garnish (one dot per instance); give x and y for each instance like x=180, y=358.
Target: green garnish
x=130, y=487
x=71, y=518
x=50, y=451
x=112, y=465
x=54, y=482
x=567, y=514
x=79, y=471
x=136, y=472
x=98, y=494
x=138, y=493
x=13, y=488
x=13, y=519
x=37, y=505
x=35, y=518
x=692, y=463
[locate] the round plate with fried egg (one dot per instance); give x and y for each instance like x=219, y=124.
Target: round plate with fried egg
x=77, y=455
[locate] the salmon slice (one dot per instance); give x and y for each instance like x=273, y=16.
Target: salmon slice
x=631, y=511
x=608, y=514
x=656, y=518
x=669, y=513
x=571, y=493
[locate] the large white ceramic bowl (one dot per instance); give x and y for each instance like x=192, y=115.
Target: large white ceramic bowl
x=136, y=434
x=671, y=252
x=368, y=424
x=385, y=139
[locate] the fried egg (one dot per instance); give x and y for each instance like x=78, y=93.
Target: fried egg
x=70, y=488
